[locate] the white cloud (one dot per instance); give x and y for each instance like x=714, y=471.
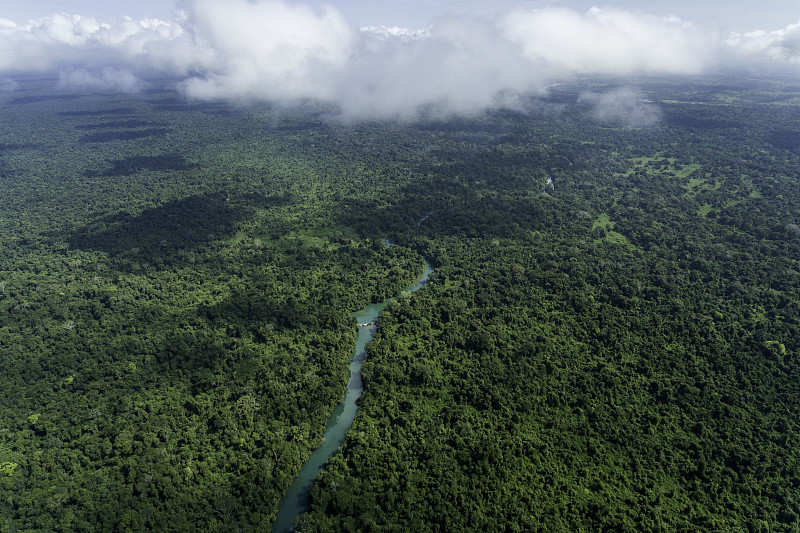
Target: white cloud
x=107, y=80
x=269, y=49
x=276, y=50
x=393, y=31
x=7, y=85
x=62, y=41
x=456, y=66
x=608, y=41
x=624, y=105
x=6, y=24
x=781, y=45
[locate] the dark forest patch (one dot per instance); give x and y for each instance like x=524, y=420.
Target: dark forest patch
x=116, y=124
x=156, y=163
x=786, y=139
x=41, y=98
x=98, y=112
x=123, y=135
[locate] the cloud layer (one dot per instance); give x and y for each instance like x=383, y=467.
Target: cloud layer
x=108, y=80
x=274, y=50
x=609, y=41
x=269, y=49
x=781, y=45
x=623, y=105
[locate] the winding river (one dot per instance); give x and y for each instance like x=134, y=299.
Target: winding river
x=295, y=501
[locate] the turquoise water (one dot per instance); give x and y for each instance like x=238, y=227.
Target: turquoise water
x=295, y=501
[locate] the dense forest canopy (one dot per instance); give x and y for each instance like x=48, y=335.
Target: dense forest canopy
x=609, y=340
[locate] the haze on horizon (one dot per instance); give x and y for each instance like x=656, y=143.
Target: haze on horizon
x=458, y=55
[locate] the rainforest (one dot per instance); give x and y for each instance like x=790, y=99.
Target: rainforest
x=609, y=339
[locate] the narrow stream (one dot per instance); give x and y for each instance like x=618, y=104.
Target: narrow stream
x=295, y=501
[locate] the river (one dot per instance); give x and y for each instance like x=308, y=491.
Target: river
x=295, y=501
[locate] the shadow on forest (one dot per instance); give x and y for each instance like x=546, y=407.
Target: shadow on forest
x=460, y=215
x=786, y=139
x=181, y=104
x=117, y=124
x=156, y=163
x=701, y=119
x=124, y=135
x=244, y=309
x=4, y=147
x=116, y=111
x=168, y=233
x=44, y=98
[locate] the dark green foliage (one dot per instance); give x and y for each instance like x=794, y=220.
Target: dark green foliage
x=176, y=317
x=787, y=139
x=116, y=124
x=617, y=352
x=156, y=163
x=616, y=355
x=123, y=135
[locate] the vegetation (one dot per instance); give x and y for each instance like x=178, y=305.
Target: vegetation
x=617, y=350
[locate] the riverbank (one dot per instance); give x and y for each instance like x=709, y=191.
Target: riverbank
x=295, y=501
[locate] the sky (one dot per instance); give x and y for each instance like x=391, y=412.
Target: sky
x=732, y=15
x=385, y=57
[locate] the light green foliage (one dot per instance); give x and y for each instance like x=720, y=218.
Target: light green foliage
x=7, y=468
x=776, y=347
x=603, y=221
